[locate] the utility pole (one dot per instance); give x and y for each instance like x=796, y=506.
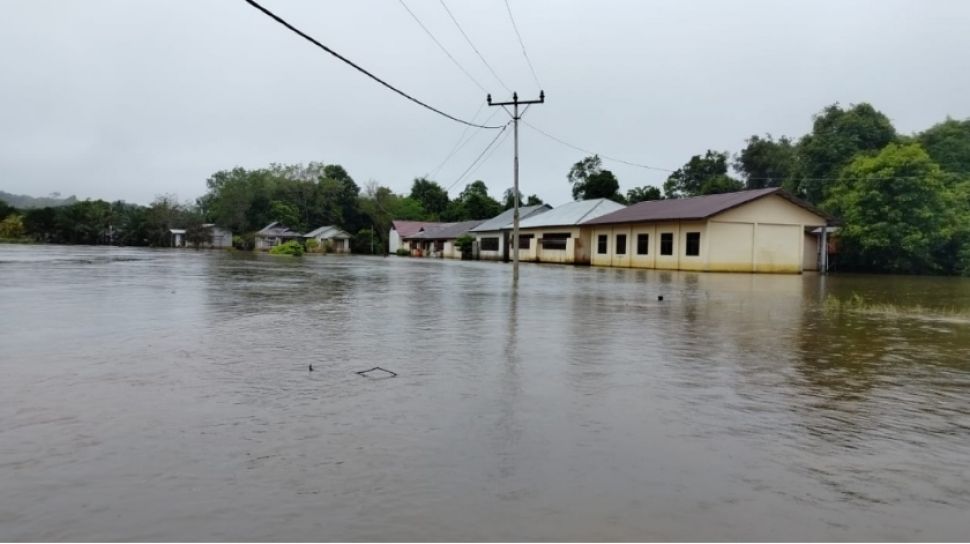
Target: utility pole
x=515, y=189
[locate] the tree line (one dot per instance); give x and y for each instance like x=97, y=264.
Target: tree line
x=301, y=196
x=903, y=201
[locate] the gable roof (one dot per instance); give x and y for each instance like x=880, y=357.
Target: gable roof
x=328, y=231
x=698, y=207
x=277, y=229
x=408, y=228
x=447, y=231
x=572, y=213
x=503, y=219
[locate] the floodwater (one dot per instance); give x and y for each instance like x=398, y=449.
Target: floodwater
x=165, y=395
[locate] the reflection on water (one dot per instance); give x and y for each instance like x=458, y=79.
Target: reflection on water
x=164, y=395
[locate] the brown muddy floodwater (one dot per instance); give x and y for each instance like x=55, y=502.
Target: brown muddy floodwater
x=164, y=395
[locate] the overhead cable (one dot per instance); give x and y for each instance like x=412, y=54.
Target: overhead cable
x=577, y=148
x=521, y=43
x=479, y=157
x=442, y=47
x=312, y=40
x=469, y=40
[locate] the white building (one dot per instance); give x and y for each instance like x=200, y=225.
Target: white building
x=330, y=238
x=494, y=236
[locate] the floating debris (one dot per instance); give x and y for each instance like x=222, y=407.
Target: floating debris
x=377, y=373
x=311, y=368
x=660, y=298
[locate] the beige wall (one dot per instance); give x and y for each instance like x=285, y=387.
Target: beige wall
x=576, y=252
x=490, y=255
x=652, y=259
x=766, y=235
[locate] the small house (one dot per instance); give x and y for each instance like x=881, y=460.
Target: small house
x=761, y=230
x=330, y=238
x=494, y=236
x=439, y=241
x=556, y=236
x=402, y=230
x=178, y=237
x=219, y=238
x=275, y=234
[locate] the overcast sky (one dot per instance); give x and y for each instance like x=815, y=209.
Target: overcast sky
x=132, y=99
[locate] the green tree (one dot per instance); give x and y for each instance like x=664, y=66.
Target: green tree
x=837, y=136
x=590, y=180
x=702, y=175
x=433, y=198
x=641, y=194
x=898, y=214
x=508, y=201
x=12, y=227
x=948, y=143
x=765, y=162
x=473, y=203
x=6, y=209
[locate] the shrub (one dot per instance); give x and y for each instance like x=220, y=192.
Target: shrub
x=289, y=248
x=245, y=241
x=312, y=245
x=402, y=252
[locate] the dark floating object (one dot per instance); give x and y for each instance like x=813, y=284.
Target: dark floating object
x=660, y=297
x=385, y=373
x=311, y=368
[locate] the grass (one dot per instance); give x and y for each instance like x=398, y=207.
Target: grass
x=859, y=305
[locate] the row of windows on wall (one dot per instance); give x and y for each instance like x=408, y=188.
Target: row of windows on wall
x=691, y=249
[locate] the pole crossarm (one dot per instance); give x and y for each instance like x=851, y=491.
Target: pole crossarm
x=515, y=103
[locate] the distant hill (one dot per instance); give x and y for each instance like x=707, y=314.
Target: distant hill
x=26, y=202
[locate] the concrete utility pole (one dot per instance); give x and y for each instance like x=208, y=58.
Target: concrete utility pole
x=515, y=189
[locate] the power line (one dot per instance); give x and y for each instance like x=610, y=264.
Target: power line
x=577, y=148
x=479, y=157
x=459, y=144
x=442, y=47
x=469, y=40
x=524, y=54
x=487, y=156
x=310, y=39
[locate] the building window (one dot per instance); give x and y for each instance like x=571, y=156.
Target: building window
x=439, y=245
x=693, y=248
x=555, y=240
x=643, y=244
x=621, y=244
x=601, y=242
x=490, y=244
x=525, y=241
x=666, y=243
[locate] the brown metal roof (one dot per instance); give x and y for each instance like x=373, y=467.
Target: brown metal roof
x=698, y=207
x=408, y=228
x=445, y=231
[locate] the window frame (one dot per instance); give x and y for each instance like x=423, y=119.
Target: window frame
x=666, y=238
x=602, y=244
x=692, y=239
x=645, y=238
x=486, y=243
x=619, y=249
x=555, y=241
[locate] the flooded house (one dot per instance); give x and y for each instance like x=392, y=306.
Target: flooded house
x=402, y=230
x=439, y=240
x=275, y=234
x=330, y=239
x=219, y=238
x=558, y=235
x=494, y=236
x=761, y=230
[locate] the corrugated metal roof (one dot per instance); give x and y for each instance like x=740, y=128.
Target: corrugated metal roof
x=447, y=231
x=698, y=207
x=503, y=219
x=276, y=229
x=328, y=231
x=571, y=214
x=408, y=228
